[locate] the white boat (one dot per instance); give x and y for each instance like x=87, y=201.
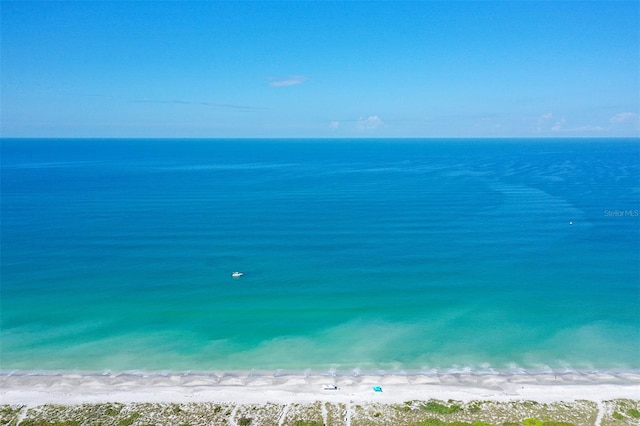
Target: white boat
x=237, y=274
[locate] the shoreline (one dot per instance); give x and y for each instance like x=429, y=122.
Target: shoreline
x=247, y=387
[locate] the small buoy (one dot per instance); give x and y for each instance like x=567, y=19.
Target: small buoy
x=571, y=223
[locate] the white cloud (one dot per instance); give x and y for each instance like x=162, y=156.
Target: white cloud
x=545, y=117
x=334, y=124
x=624, y=117
x=559, y=126
x=589, y=128
x=617, y=123
x=543, y=121
x=370, y=123
x=208, y=104
x=288, y=81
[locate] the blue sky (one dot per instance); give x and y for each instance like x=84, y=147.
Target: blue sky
x=320, y=69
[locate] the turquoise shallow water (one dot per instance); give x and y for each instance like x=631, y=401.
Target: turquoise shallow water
x=372, y=254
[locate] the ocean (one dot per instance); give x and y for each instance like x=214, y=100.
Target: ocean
x=358, y=255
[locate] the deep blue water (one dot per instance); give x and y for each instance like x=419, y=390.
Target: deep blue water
x=397, y=254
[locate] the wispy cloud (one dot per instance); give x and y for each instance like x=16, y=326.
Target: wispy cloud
x=543, y=121
x=619, y=122
x=624, y=117
x=334, y=124
x=545, y=117
x=588, y=128
x=207, y=104
x=288, y=81
x=561, y=127
x=370, y=123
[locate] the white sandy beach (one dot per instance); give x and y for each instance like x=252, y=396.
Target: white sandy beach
x=244, y=388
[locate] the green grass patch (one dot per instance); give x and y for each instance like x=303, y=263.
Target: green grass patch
x=129, y=420
x=438, y=422
x=475, y=407
x=634, y=413
x=475, y=423
x=538, y=422
x=8, y=410
x=111, y=410
x=438, y=408
x=431, y=422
